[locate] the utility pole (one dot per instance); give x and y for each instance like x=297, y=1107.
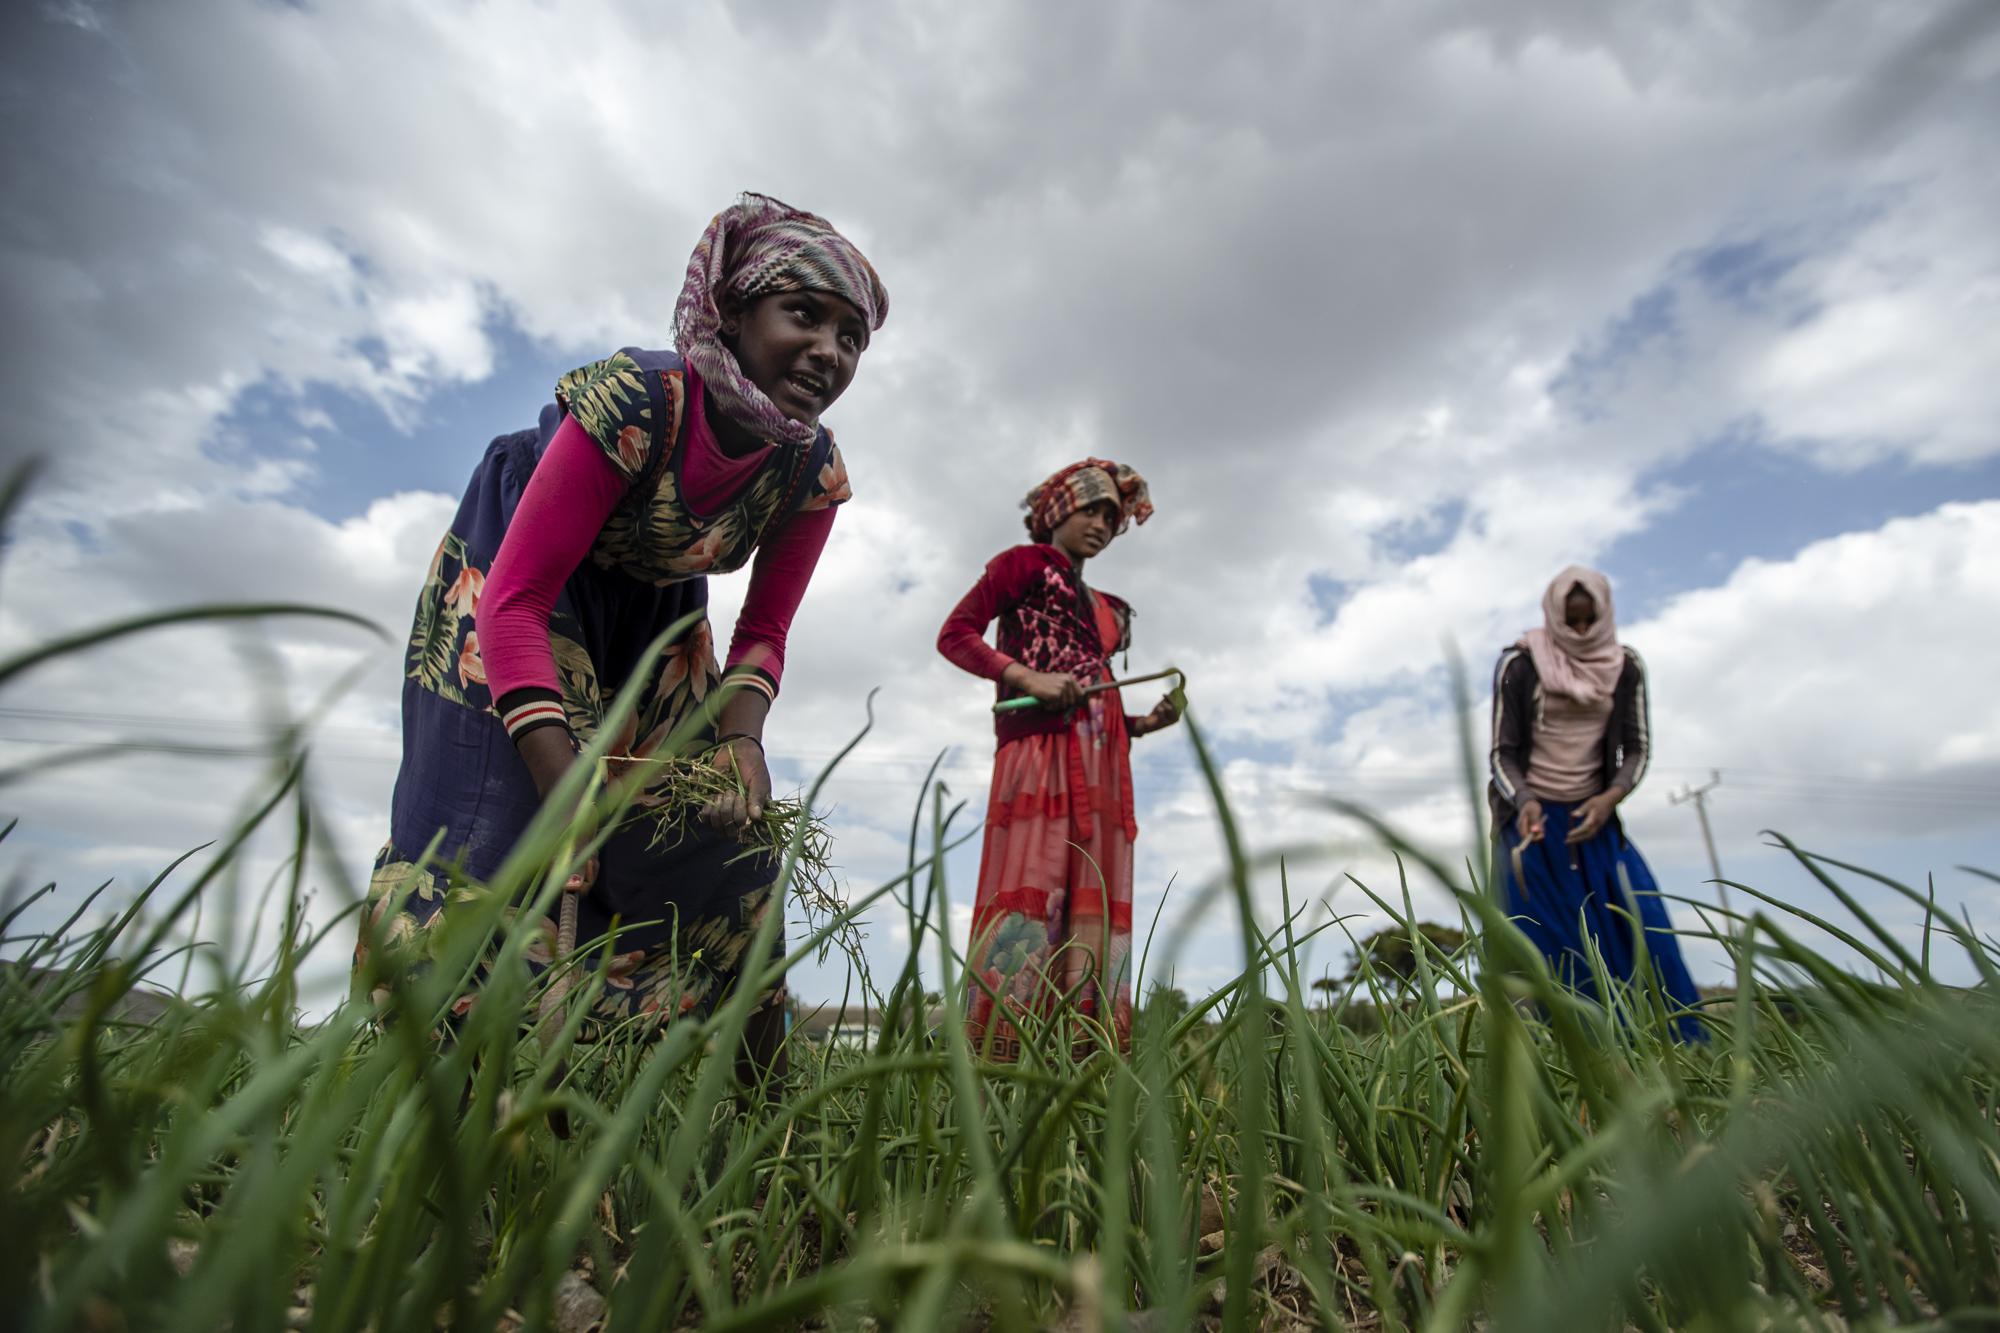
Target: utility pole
x=1699, y=796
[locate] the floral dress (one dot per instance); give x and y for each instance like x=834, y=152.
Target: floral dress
x=685, y=912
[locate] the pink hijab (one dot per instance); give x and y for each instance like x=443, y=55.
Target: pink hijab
x=1585, y=667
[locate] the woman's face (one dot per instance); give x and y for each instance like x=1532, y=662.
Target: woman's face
x=1087, y=532
x=800, y=348
x=1579, y=609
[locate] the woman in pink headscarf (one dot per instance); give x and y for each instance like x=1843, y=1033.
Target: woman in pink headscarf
x=582, y=541
x=1571, y=737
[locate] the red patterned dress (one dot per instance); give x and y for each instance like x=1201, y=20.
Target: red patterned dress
x=1052, y=918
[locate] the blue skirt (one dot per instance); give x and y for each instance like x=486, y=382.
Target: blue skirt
x=1571, y=892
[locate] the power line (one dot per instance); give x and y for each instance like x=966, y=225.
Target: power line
x=194, y=749
x=901, y=769
x=160, y=722
x=885, y=767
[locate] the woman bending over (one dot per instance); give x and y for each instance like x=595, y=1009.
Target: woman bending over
x=581, y=541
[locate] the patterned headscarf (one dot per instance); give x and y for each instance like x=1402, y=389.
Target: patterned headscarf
x=1081, y=485
x=753, y=248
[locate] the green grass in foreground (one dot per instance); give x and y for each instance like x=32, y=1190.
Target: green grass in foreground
x=1497, y=1152
x=1490, y=1152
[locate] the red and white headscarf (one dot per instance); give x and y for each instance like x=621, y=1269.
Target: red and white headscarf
x=755, y=247
x=1584, y=667
x=1081, y=485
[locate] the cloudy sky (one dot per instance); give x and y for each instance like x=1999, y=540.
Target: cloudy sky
x=1399, y=306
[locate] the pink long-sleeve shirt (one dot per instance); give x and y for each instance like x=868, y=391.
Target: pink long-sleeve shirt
x=574, y=490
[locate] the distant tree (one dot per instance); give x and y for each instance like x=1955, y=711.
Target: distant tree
x=1391, y=954
x=1327, y=986
x=1169, y=1004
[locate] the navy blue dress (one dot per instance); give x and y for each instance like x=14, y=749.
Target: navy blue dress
x=1599, y=891
x=687, y=910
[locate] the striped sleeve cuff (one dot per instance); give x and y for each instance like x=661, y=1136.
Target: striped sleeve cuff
x=753, y=678
x=528, y=709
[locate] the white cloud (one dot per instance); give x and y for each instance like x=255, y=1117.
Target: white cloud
x=1858, y=670
x=1899, y=358
x=1417, y=302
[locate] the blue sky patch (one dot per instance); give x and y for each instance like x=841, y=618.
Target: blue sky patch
x=1749, y=502
x=1328, y=595
x=1744, y=273
x=1590, y=375
x=454, y=425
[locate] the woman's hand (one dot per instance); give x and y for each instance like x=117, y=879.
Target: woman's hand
x=734, y=812
x=1054, y=689
x=1592, y=815
x=1164, y=715
x=548, y=752
x=1528, y=820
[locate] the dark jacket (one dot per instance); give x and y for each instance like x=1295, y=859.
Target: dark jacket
x=1517, y=703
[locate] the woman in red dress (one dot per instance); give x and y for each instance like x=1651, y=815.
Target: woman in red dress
x=1052, y=920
